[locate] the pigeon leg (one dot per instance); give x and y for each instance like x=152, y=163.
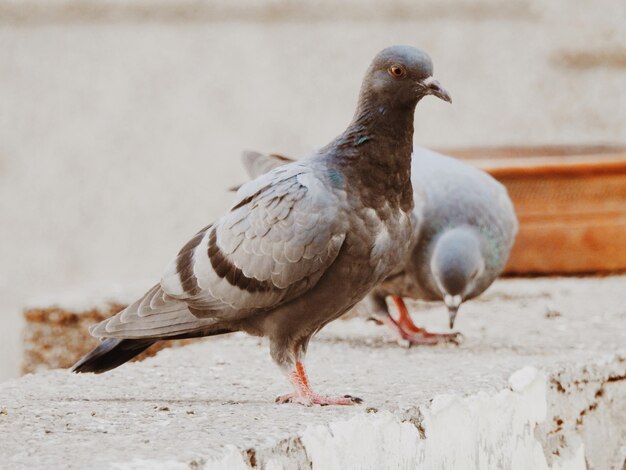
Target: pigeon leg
x=304, y=395
x=401, y=336
x=413, y=333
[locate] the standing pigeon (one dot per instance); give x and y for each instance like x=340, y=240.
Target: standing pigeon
x=302, y=245
x=466, y=228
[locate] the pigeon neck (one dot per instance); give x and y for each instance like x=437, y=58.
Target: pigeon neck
x=380, y=143
x=388, y=124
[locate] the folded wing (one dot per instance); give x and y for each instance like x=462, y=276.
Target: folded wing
x=273, y=245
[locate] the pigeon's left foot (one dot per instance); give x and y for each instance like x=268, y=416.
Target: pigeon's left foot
x=408, y=332
x=315, y=399
x=304, y=395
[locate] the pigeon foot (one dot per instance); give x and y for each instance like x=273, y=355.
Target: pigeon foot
x=427, y=338
x=304, y=395
x=408, y=333
x=315, y=399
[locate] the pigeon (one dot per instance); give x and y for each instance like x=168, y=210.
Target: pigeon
x=465, y=231
x=302, y=244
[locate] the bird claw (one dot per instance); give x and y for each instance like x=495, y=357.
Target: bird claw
x=315, y=399
x=430, y=339
x=408, y=333
x=355, y=400
x=457, y=338
x=293, y=398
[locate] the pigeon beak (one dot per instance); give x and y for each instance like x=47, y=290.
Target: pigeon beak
x=453, y=302
x=432, y=87
x=452, y=315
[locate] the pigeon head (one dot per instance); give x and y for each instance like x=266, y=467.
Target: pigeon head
x=401, y=76
x=457, y=265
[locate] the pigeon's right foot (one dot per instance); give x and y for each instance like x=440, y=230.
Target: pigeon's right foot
x=315, y=399
x=304, y=395
x=408, y=333
x=428, y=338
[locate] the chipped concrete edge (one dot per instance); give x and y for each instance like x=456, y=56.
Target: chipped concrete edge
x=555, y=421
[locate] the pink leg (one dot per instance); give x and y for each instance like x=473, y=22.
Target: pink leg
x=304, y=395
x=405, y=330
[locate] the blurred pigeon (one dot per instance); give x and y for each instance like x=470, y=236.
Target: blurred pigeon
x=302, y=245
x=466, y=228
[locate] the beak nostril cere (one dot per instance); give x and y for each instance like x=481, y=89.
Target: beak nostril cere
x=433, y=87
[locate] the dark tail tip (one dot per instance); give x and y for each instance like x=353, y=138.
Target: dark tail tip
x=111, y=353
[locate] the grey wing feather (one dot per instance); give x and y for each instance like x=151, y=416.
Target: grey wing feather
x=451, y=187
x=154, y=315
x=257, y=164
x=275, y=244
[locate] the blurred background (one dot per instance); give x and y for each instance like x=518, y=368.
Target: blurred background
x=122, y=121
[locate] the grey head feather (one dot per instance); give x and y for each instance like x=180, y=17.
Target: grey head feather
x=413, y=81
x=457, y=261
x=457, y=264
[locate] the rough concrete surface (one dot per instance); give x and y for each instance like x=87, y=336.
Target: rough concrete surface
x=539, y=382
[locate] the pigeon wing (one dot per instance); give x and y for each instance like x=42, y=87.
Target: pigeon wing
x=272, y=246
x=275, y=243
x=257, y=164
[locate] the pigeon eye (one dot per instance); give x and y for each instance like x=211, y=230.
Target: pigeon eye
x=397, y=71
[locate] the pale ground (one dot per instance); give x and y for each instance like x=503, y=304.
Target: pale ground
x=121, y=126
x=189, y=404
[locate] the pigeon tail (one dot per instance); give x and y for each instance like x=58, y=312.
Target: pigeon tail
x=111, y=353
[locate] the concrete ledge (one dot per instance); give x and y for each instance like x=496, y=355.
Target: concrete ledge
x=540, y=382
